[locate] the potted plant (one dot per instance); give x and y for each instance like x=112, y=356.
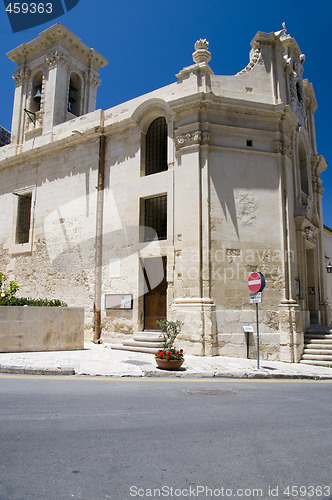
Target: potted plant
x=169, y=358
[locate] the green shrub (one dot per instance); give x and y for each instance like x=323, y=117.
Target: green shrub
x=9, y=288
x=170, y=330
x=28, y=301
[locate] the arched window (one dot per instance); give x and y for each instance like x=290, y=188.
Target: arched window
x=74, y=95
x=156, y=147
x=303, y=170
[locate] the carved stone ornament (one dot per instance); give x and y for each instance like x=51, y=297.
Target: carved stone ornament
x=284, y=149
x=255, y=57
x=92, y=80
x=201, y=54
x=193, y=138
x=20, y=76
x=317, y=185
x=310, y=234
x=57, y=58
x=296, y=87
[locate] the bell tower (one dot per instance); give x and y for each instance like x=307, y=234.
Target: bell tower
x=56, y=80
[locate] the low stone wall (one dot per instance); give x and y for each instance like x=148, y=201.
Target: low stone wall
x=24, y=328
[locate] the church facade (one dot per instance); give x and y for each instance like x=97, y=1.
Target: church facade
x=162, y=206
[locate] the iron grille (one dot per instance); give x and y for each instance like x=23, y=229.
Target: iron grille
x=155, y=218
x=156, y=147
x=23, y=218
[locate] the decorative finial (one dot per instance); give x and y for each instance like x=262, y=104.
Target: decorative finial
x=201, y=54
x=282, y=32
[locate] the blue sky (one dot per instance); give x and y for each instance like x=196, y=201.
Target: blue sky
x=148, y=42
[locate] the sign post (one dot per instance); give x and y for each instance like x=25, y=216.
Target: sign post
x=256, y=283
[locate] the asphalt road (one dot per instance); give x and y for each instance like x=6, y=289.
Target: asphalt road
x=66, y=438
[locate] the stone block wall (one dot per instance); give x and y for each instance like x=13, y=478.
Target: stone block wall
x=25, y=329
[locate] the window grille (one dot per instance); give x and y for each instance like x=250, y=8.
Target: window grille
x=155, y=218
x=23, y=218
x=156, y=147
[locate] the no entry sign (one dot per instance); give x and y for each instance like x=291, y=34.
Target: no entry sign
x=256, y=282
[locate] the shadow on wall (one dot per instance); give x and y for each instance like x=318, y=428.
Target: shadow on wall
x=238, y=187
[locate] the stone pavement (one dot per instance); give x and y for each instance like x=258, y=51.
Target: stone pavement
x=102, y=360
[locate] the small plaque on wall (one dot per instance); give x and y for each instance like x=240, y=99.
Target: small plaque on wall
x=118, y=301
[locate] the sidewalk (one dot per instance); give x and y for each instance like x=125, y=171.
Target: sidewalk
x=102, y=360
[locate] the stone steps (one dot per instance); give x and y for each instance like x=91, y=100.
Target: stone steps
x=122, y=347
x=135, y=343
x=146, y=341
x=317, y=347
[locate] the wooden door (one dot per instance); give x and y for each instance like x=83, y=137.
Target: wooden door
x=155, y=296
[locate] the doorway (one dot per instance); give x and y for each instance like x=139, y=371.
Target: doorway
x=155, y=291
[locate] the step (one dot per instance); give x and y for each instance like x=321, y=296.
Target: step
x=318, y=335
x=316, y=362
x=320, y=352
x=148, y=337
x=135, y=343
x=326, y=336
x=319, y=341
x=122, y=347
x=319, y=329
x=319, y=357
x=319, y=347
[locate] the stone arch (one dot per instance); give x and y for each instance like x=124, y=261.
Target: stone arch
x=154, y=116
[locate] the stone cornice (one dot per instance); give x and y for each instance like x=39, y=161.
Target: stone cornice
x=15, y=154
x=240, y=107
x=56, y=36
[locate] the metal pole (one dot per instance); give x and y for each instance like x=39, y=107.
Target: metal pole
x=257, y=325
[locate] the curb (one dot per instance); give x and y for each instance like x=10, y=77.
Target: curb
x=67, y=371
x=25, y=370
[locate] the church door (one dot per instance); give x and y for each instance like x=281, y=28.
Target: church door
x=155, y=295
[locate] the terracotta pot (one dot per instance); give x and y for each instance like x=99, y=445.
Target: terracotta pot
x=169, y=364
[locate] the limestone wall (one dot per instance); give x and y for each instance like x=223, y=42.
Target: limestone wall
x=24, y=328
x=61, y=259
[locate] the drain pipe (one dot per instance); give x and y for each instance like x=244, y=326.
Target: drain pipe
x=99, y=241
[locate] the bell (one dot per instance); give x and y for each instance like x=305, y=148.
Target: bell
x=37, y=96
x=71, y=97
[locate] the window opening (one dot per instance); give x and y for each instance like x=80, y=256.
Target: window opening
x=156, y=147
x=155, y=218
x=23, y=220
x=36, y=93
x=71, y=98
x=74, y=94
